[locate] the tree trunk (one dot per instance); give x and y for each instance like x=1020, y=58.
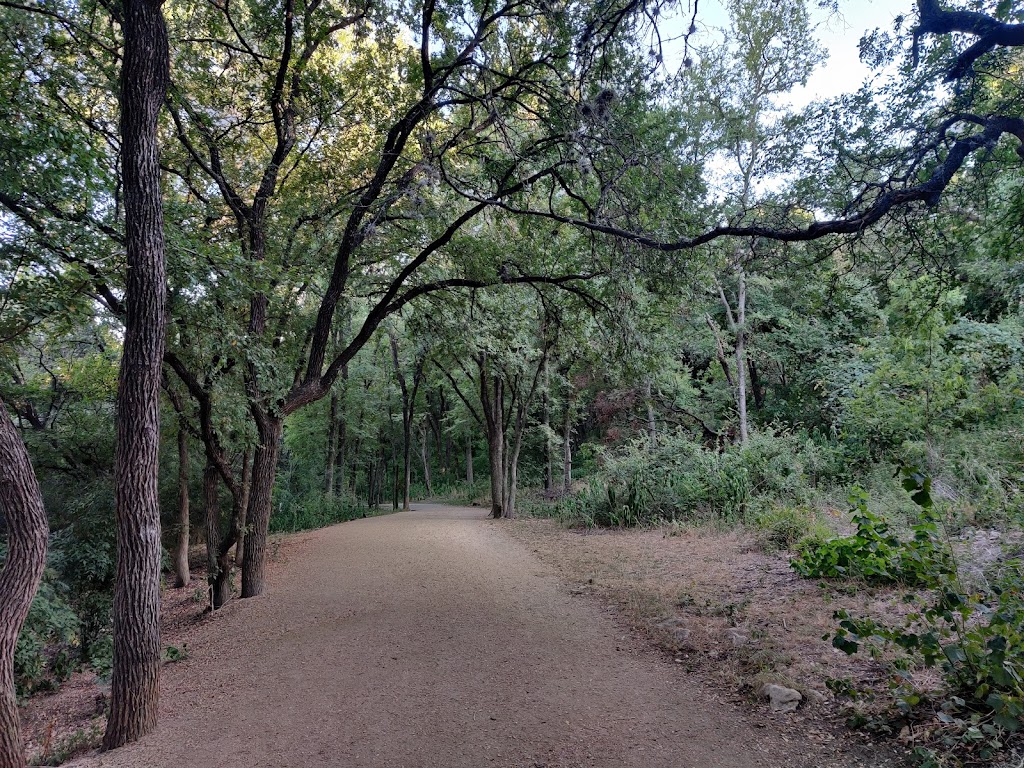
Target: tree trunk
x=492, y=400
x=182, y=575
x=741, y=355
x=215, y=582
x=406, y=461
x=21, y=503
x=135, y=683
x=332, y=446
x=549, y=459
x=425, y=458
x=242, y=507
x=652, y=425
x=339, y=476
x=567, y=449
x=469, y=459
x=264, y=470
x=513, y=462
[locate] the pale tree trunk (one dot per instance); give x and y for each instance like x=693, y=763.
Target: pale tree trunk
x=135, y=682
x=332, y=446
x=549, y=458
x=264, y=469
x=21, y=503
x=182, y=575
x=513, y=461
x=738, y=325
x=469, y=459
x=408, y=412
x=425, y=458
x=567, y=448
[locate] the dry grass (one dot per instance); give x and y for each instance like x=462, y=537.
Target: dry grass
x=719, y=604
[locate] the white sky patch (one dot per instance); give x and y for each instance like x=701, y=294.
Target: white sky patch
x=839, y=34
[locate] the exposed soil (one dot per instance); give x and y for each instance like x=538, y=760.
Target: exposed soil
x=438, y=638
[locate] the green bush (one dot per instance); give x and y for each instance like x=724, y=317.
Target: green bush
x=875, y=554
x=781, y=526
x=47, y=651
x=683, y=480
x=977, y=639
x=303, y=513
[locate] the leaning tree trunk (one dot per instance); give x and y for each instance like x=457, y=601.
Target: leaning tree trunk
x=135, y=683
x=21, y=503
x=182, y=575
x=264, y=470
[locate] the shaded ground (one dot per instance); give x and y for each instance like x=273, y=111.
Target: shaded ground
x=436, y=638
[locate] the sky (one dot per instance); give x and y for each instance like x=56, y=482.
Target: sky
x=839, y=34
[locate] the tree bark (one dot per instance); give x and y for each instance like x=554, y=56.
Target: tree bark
x=549, y=459
x=567, y=449
x=425, y=458
x=264, y=470
x=243, y=507
x=492, y=401
x=27, y=531
x=741, y=354
x=135, y=683
x=332, y=446
x=469, y=459
x=513, y=461
x=182, y=575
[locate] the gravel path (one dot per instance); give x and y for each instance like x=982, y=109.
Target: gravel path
x=432, y=638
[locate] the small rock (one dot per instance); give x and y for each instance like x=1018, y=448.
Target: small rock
x=782, y=699
x=816, y=698
x=737, y=638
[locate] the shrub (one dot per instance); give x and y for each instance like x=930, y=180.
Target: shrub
x=303, y=513
x=682, y=480
x=46, y=653
x=875, y=554
x=977, y=639
x=781, y=526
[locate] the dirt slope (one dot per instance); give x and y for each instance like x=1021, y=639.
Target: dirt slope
x=433, y=638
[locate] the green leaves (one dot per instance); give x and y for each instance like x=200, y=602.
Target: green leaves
x=875, y=554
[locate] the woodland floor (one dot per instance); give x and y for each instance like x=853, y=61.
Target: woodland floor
x=440, y=638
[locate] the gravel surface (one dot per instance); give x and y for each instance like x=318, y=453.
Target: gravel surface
x=434, y=638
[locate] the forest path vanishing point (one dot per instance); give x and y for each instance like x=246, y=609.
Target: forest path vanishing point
x=432, y=638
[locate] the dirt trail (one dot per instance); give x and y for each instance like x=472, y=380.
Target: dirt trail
x=433, y=638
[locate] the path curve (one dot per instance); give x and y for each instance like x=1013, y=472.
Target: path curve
x=429, y=639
